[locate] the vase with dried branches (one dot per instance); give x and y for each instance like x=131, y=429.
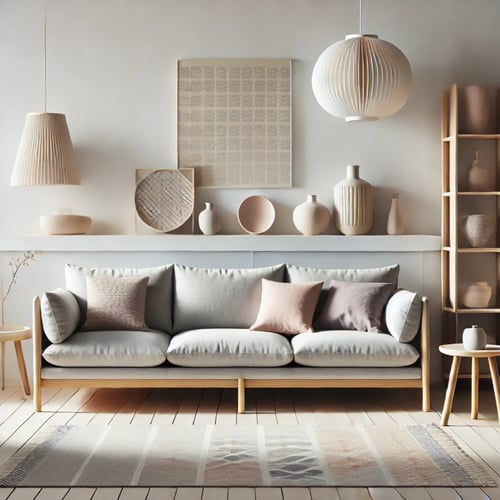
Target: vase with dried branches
x=16, y=264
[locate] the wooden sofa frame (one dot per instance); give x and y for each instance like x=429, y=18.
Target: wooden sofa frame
x=240, y=384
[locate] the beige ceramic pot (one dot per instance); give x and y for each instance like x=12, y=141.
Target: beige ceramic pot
x=476, y=294
x=65, y=224
x=478, y=229
x=476, y=109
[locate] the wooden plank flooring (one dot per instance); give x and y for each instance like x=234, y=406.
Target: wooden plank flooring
x=334, y=407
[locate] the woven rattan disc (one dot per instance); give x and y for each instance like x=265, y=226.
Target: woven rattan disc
x=164, y=199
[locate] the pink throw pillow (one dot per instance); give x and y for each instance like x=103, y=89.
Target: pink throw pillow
x=287, y=307
x=354, y=305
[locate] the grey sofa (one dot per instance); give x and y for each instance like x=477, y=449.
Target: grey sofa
x=196, y=332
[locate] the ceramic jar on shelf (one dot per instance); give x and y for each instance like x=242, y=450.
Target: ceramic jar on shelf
x=353, y=203
x=311, y=217
x=476, y=294
x=208, y=220
x=476, y=109
x=395, y=221
x=479, y=176
x=478, y=229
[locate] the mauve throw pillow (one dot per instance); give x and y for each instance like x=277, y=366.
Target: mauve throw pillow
x=115, y=303
x=352, y=305
x=287, y=307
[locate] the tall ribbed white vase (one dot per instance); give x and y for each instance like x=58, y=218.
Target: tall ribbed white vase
x=353, y=203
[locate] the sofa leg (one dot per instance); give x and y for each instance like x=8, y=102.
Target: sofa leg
x=37, y=397
x=241, y=395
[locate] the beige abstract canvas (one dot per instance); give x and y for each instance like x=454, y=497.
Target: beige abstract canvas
x=235, y=121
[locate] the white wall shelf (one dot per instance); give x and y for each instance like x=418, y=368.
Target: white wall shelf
x=222, y=243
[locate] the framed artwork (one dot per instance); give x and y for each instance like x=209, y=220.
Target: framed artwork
x=164, y=199
x=234, y=119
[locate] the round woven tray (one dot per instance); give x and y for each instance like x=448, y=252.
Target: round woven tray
x=164, y=200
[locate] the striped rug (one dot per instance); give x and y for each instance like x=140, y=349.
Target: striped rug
x=243, y=455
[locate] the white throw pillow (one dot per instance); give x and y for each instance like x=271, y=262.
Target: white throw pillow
x=402, y=315
x=60, y=314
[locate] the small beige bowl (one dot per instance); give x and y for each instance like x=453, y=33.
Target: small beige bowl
x=256, y=214
x=65, y=224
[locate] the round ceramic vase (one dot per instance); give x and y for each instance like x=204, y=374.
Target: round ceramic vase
x=395, y=221
x=476, y=294
x=208, y=220
x=474, y=338
x=479, y=176
x=353, y=203
x=476, y=109
x=478, y=229
x=311, y=217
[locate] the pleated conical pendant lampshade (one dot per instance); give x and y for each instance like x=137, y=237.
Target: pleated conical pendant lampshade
x=45, y=154
x=361, y=78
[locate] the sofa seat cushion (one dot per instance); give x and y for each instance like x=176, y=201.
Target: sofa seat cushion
x=114, y=348
x=351, y=348
x=223, y=347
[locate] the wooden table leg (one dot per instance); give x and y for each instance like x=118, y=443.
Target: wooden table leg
x=22, y=367
x=450, y=391
x=494, y=379
x=3, y=366
x=474, y=397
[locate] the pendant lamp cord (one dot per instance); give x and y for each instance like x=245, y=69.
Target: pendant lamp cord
x=360, y=17
x=45, y=54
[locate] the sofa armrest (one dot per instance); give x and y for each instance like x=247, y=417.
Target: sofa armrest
x=425, y=355
x=37, y=354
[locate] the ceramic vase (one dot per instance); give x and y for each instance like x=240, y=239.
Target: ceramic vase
x=208, y=220
x=353, y=203
x=476, y=109
x=478, y=229
x=474, y=338
x=479, y=176
x=395, y=221
x=311, y=217
x=476, y=294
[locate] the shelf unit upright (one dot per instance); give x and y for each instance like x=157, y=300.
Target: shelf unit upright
x=461, y=263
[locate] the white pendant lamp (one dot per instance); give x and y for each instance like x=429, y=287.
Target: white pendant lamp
x=361, y=77
x=45, y=154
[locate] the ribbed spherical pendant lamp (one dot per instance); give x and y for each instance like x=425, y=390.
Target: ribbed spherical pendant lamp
x=361, y=78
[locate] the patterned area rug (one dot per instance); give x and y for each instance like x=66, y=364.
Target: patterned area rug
x=244, y=455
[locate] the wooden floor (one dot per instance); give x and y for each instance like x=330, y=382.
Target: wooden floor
x=200, y=407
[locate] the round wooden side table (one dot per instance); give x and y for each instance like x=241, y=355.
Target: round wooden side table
x=457, y=351
x=15, y=333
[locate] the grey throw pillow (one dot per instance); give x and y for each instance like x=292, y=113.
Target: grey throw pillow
x=115, y=303
x=60, y=314
x=354, y=306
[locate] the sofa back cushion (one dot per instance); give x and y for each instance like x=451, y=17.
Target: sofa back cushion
x=219, y=298
x=298, y=274
x=158, y=310
x=386, y=274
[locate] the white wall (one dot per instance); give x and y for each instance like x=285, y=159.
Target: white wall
x=111, y=67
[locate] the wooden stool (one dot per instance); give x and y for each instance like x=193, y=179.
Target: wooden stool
x=457, y=351
x=15, y=333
